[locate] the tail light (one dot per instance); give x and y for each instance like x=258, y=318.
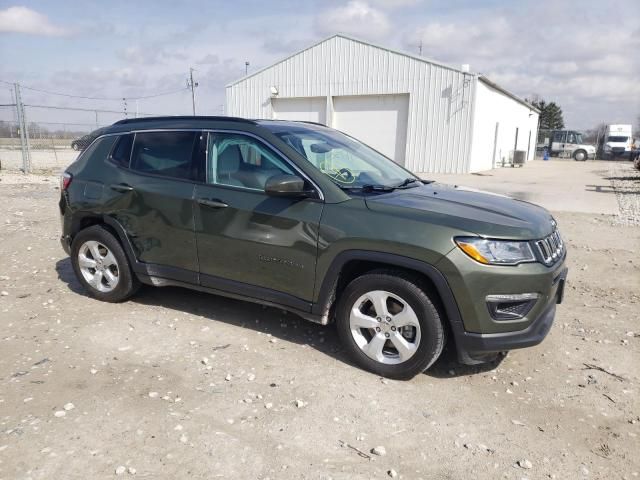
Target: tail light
x=65, y=180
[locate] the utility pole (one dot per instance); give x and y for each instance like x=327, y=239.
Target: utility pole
x=124, y=107
x=420, y=48
x=246, y=68
x=24, y=133
x=192, y=85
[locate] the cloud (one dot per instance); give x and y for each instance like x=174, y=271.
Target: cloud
x=396, y=3
x=151, y=55
x=582, y=69
x=25, y=20
x=357, y=18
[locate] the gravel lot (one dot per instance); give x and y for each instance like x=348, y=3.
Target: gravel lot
x=178, y=384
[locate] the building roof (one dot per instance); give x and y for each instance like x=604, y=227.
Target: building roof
x=396, y=52
x=353, y=39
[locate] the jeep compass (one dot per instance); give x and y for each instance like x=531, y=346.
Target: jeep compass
x=303, y=217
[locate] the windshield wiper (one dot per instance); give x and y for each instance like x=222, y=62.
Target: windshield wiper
x=377, y=188
x=407, y=181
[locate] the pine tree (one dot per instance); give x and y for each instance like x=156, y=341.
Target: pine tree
x=550, y=114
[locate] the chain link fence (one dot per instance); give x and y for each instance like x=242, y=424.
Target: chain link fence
x=46, y=132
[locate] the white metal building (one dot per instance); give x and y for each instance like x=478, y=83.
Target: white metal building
x=425, y=115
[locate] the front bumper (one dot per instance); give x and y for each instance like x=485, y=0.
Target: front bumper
x=477, y=334
x=473, y=348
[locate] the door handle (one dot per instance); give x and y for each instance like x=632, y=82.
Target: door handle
x=212, y=203
x=121, y=187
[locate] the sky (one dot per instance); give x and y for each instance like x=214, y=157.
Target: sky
x=582, y=54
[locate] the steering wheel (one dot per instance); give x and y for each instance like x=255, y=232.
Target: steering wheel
x=345, y=175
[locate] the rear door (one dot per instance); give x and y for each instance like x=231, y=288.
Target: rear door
x=248, y=242
x=152, y=198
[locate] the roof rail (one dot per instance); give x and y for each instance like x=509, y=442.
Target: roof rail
x=182, y=117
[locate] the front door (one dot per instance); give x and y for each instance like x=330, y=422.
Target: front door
x=248, y=242
x=153, y=199
x=558, y=141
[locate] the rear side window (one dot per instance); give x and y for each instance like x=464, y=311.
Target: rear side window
x=165, y=153
x=122, y=151
x=99, y=150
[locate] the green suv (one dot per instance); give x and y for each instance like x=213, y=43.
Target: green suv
x=302, y=217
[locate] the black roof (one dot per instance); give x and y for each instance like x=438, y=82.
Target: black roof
x=188, y=121
x=170, y=118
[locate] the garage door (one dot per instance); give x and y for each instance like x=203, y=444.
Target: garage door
x=377, y=120
x=310, y=109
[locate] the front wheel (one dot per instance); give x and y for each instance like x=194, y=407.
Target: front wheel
x=580, y=155
x=390, y=325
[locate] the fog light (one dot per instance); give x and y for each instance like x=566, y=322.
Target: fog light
x=511, y=307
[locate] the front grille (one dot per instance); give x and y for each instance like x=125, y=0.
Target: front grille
x=551, y=248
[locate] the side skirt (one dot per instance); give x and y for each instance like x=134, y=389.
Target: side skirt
x=157, y=281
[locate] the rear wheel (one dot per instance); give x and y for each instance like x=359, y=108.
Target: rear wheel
x=389, y=324
x=101, y=265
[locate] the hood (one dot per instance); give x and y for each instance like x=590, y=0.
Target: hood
x=468, y=210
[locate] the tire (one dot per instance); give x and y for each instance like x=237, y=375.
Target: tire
x=375, y=350
x=580, y=155
x=101, y=265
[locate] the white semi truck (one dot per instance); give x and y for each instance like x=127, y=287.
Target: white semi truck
x=617, y=141
x=566, y=143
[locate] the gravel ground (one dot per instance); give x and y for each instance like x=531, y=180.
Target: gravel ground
x=178, y=384
x=626, y=182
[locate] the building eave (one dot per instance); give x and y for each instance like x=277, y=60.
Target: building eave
x=506, y=92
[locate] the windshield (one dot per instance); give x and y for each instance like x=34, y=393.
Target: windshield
x=349, y=163
x=617, y=139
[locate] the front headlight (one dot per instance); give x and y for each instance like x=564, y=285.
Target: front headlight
x=496, y=252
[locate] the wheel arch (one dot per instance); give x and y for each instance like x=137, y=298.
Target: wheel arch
x=84, y=221
x=352, y=263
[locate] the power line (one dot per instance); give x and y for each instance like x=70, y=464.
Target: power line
x=54, y=107
x=97, y=98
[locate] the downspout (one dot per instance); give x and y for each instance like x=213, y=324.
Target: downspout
x=472, y=120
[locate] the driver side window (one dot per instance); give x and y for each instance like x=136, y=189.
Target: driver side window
x=242, y=161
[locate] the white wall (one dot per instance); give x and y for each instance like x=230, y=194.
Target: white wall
x=493, y=106
x=439, y=111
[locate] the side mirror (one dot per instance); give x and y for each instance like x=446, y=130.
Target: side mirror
x=286, y=186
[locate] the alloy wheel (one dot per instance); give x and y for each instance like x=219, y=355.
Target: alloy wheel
x=385, y=327
x=98, y=266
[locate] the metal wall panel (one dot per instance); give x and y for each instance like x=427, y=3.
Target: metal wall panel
x=440, y=98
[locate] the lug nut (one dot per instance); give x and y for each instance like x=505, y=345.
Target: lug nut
x=377, y=329
x=386, y=335
x=379, y=319
x=393, y=329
